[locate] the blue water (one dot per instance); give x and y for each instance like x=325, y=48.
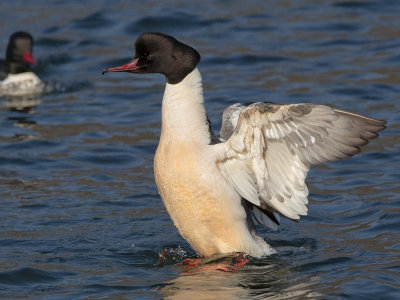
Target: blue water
x=80, y=216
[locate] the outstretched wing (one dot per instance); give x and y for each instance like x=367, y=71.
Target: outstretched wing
x=272, y=147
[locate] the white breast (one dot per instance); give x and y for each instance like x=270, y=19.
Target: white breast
x=21, y=84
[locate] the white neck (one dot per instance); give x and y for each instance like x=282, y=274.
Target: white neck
x=183, y=113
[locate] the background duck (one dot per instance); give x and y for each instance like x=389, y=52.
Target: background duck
x=16, y=76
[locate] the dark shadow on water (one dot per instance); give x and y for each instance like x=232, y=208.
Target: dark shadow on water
x=179, y=21
x=30, y=276
x=94, y=21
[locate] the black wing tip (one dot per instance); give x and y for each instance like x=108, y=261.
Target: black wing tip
x=264, y=208
x=267, y=210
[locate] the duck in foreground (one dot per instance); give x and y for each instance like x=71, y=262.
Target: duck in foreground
x=16, y=77
x=217, y=189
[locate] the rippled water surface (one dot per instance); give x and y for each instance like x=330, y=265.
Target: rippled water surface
x=80, y=215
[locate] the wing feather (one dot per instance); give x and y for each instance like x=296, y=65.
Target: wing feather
x=270, y=149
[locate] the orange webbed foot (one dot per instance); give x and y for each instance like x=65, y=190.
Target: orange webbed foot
x=226, y=264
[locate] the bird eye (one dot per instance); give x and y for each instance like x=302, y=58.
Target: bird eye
x=149, y=57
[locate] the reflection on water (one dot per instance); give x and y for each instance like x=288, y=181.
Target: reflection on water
x=206, y=285
x=23, y=103
x=272, y=281
x=22, y=109
x=224, y=277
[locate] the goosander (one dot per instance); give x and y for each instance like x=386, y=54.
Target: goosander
x=217, y=189
x=16, y=77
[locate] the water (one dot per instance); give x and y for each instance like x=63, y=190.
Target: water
x=80, y=216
